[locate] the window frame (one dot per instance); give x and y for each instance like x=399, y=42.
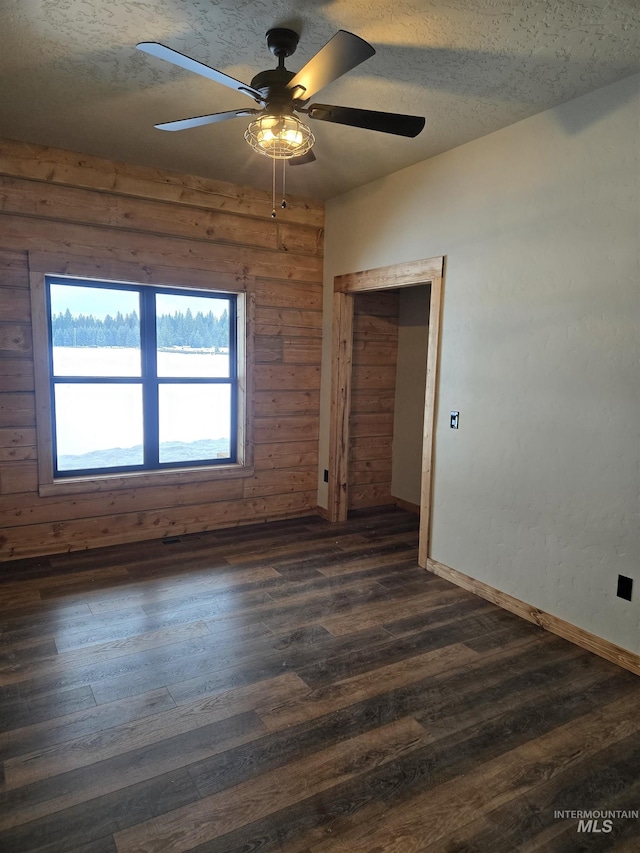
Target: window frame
x=95, y=480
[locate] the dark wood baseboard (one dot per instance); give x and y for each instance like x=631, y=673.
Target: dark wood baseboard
x=584, y=639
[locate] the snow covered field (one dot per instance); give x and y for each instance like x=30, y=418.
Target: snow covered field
x=101, y=425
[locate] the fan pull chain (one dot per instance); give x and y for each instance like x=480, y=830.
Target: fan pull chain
x=284, y=173
x=273, y=191
x=273, y=187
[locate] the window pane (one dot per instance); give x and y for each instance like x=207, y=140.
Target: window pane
x=95, y=331
x=195, y=422
x=98, y=426
x=192, y=335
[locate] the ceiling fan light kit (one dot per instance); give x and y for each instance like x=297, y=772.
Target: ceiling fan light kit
x=275, y=131
x=279, y=137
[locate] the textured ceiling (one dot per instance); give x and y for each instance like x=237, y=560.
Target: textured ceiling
x=71, y=77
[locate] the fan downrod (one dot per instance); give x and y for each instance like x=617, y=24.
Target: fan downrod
x=282, y=42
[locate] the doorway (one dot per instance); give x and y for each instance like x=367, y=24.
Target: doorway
x=346, y=287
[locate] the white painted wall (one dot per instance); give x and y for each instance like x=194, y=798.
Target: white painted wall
x=411, y=377
x=537, y=493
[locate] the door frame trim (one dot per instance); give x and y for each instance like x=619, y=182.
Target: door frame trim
x=427, y=271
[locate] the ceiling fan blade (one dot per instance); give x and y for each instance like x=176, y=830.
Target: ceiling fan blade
x=400, y=125
x=302, y=160
x=340, y=54
x=199, y=121
x=153, y=48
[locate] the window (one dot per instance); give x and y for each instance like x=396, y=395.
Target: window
x=141, y=378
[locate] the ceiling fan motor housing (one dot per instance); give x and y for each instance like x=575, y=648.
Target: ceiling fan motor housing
x=282, y=42
x=272, y=85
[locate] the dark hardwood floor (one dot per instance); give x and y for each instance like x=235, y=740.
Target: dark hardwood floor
x=298, y=686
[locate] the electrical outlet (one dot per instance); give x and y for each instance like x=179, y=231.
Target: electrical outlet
x=625, y=586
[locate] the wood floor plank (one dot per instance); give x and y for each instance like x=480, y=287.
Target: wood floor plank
x=531, y=823
x=169, y=755
x=38, y=736
x=68, y=584
x=221, y=813
x=60, y=624
x=342, y=806
x=131, y=754
x=138, y=733
x=387, y=609
x=390, y=554
x=105, y=630
x=146, y=592
x=260, y=666
x=400, y=780
x=349, y=692
x=13, y=656
x=425, y=819
x=341, y=665
x=437, y=614
x=291, y=687
x=97, y=818
x=52, y=663
x=59, y=703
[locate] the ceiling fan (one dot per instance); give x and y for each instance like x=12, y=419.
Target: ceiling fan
x=275, y=130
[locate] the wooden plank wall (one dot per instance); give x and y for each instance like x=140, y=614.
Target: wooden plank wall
x=375, y=351
x=62, y=212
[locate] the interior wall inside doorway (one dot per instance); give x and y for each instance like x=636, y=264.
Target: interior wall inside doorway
x=373, y=381
x=390, y=335
x=411, y=375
